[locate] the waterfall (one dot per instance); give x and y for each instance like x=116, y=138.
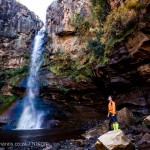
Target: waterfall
x=31, y=118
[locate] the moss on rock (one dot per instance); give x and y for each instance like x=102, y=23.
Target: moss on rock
x=6, y=101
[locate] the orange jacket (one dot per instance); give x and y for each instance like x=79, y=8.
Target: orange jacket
x=112, y=108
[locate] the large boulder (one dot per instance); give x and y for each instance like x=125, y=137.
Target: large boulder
x=114, y=140
x=125, y=117
x=147, y=120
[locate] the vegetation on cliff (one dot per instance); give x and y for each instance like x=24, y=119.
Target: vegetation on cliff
x=12, y=77
x=107, y=28
x=5, y=101
x=77, y=68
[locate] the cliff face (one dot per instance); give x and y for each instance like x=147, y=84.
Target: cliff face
x=17, y=28
x=106, y=41
x=60, y=27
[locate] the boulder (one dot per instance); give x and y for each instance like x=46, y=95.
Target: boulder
x=97, y=131
x=114, y=140
x=147, y=120
x=125, y=117
x=144, y=143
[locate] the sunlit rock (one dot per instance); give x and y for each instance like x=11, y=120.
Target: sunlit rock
x=114, y=140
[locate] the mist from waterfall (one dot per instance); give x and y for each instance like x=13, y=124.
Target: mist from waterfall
x=31, y=118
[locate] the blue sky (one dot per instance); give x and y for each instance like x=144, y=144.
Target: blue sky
x=37, y=6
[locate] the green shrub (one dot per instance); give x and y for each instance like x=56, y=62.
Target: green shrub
x=13, y=76
x=99, y=9
x=96, y=46
x=13, y=72
x=80, y=23
x=64, y=89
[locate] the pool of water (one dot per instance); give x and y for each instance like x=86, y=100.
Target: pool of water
x=56, y=126
x=35, y=139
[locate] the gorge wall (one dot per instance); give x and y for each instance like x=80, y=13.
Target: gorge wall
x=102, y=44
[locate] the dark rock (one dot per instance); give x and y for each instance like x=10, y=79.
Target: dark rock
x=139, y=47
x=97, y=131
x=144, y=143
x=136, y=101
x=125, y=117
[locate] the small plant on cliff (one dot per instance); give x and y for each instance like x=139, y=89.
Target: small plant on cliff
x=13, y=76
x=80, y=23
x=14, y=72
x=133, y=4
x=96, y=46
x=99, y=9
x=15, y=80
x=64, y=89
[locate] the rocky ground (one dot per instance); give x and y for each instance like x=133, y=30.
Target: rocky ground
x=138, y=134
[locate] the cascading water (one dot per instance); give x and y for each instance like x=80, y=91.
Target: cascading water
x=31, y=118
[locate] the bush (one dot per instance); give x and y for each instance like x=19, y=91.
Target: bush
x=99, y=9
x=96, y=46
x=14, y=72
x=80, y=23
x=13, y=76
x=64, y=89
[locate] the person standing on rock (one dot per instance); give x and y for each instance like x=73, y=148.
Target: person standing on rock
x=112, y=113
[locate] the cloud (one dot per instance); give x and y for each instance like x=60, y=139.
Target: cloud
x=39, y=7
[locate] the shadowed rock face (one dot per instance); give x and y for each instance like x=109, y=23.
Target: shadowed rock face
x=17, y=29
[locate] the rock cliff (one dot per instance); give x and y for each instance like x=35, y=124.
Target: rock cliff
x=105, y=41
x=60, y=27
x=17, y=28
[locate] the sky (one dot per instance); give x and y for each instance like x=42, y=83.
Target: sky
x=37, y=6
